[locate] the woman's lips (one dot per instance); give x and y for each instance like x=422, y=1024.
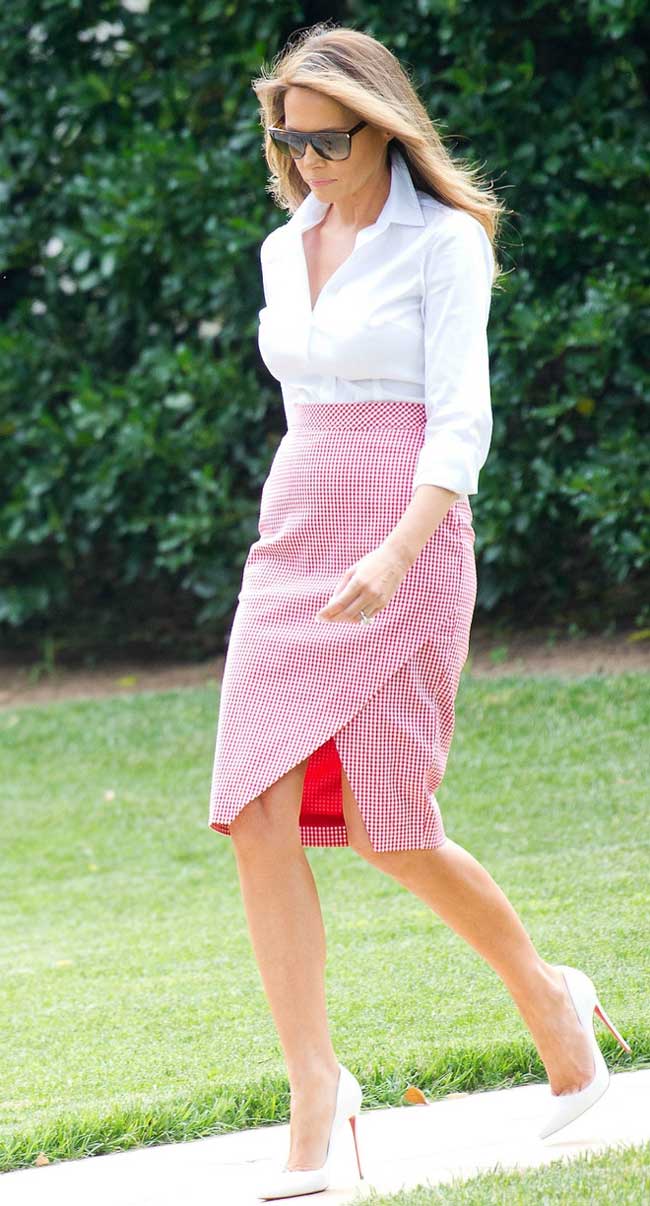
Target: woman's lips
x=312, y=182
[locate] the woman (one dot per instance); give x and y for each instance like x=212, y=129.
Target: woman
x=353, y=621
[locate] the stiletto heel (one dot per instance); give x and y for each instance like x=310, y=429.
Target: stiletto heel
x=283, y=1182
x=604, y=1018
x=353, y=1124
x=568, y=1106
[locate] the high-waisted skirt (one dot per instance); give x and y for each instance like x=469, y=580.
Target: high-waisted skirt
x=374, y=699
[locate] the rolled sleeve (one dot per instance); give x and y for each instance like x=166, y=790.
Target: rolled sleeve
x=457, y=274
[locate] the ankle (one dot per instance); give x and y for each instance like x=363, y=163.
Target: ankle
x=310, y=1075
x=540, y=983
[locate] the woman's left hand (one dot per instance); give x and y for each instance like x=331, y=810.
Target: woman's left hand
x=367, y=585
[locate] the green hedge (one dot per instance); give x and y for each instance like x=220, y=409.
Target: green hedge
x=137, y=420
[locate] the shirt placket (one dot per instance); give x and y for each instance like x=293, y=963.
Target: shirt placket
x=328, y=385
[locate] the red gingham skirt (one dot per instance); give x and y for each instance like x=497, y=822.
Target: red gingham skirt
x=377, y=699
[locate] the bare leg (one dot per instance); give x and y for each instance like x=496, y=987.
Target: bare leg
x=463, y=893
x=288, y=939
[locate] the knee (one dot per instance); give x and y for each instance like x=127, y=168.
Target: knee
x=364, y=848
x=391, y=862
x=359, y=838
x=245, y=828
x=259, y=827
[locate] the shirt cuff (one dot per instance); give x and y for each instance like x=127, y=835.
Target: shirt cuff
x=448, y=462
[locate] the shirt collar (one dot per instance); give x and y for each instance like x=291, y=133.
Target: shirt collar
x=401, y=205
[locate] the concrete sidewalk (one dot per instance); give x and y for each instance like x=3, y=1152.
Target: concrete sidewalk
x=400, y=1147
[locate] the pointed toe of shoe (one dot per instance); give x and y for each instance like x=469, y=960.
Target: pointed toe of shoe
x=281, y=1182
x=569, y=1106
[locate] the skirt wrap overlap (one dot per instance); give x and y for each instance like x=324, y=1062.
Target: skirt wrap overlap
x=376, y=699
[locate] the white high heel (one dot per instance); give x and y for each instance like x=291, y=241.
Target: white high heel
x=567, y=1106
x=282, y=1182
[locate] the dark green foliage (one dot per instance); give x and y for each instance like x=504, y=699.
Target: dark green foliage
x=134, y=439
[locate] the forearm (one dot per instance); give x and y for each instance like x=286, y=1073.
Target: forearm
x=428, y=506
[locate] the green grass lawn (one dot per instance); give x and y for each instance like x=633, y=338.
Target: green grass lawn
x=132, y=1009
x=609, y=1178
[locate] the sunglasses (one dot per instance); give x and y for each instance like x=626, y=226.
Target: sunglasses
x=330, y=144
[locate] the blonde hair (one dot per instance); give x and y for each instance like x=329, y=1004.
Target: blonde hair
x=361, y=73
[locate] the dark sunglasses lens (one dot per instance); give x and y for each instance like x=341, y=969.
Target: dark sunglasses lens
x=286, y=142
x=330, y=146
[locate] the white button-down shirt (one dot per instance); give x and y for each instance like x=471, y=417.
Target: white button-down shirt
x=404, y=317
